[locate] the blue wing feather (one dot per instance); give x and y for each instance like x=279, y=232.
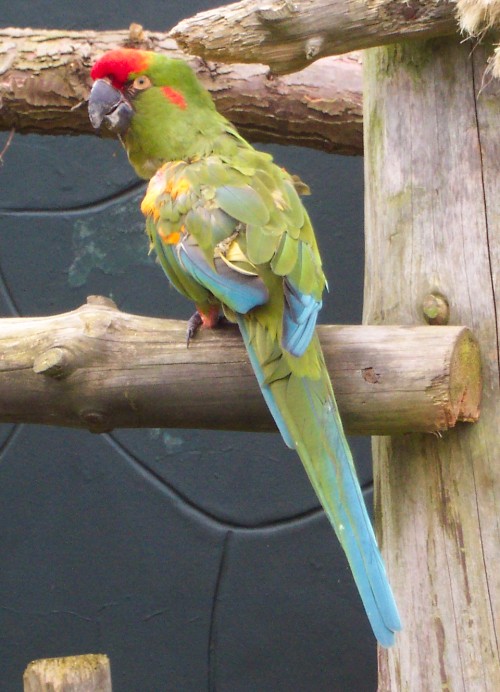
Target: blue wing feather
x=299, y=319
x=239, y=292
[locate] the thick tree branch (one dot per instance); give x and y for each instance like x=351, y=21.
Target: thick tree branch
x=44, y=85
x=288, y=35
x=99, y=368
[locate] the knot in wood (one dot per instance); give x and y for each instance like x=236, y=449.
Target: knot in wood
x=102, y=300
x=56, y=362
x=436, y=309
x=96, y=421
x=370, y=375
x=313, y=47
x=135, y=33
x=411, y=10
x=276, y=12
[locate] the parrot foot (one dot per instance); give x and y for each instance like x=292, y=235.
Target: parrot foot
x=194, y=323
x=207, y=320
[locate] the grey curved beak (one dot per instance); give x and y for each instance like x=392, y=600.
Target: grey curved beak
x=108, y=107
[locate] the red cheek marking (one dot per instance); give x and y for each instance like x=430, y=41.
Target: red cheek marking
x=174, y=97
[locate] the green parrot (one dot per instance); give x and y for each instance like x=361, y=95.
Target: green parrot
x=232, y=235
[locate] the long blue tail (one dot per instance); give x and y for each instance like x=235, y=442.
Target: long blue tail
x=306, y=414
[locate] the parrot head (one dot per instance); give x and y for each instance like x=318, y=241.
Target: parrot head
x=156, y=106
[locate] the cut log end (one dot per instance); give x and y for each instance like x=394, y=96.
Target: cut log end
x=456, y=392
x=465, y=379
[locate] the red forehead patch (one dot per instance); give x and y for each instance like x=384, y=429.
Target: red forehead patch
x=119, y=64
x=174, y=97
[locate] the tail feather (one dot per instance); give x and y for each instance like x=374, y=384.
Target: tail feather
x=307, y=416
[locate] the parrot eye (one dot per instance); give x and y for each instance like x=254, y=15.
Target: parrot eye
x=141, y=82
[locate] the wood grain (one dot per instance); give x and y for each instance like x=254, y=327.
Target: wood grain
x=432, y=128
x=99, y=368
x=288, y=36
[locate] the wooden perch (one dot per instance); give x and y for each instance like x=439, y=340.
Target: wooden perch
x=88, y=673
x=44, y=85
x=99, y=368
x=288, y=35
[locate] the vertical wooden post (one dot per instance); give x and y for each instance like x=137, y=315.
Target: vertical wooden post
x=432, y=152
x=89, y=673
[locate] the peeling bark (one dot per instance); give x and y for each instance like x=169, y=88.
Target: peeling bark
x=44, y=85
x=288, y=36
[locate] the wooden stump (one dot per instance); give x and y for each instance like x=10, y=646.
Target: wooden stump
x=89, y=673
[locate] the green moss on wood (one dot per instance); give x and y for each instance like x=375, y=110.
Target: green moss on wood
x=374, y=133
x=414, y=56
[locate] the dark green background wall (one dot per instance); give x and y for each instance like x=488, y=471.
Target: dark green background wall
x=196, y=560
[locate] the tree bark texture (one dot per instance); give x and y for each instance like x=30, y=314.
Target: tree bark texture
x=99, y=368
x=432, y=128
x=45, y=83
x=288, y=35
x=88, y=673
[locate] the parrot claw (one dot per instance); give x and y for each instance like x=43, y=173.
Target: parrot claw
x=210, y=320
x=194, y=323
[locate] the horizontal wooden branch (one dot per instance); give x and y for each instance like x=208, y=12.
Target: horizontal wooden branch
x=44, y=86
x=288, y=35
x=99, y=368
